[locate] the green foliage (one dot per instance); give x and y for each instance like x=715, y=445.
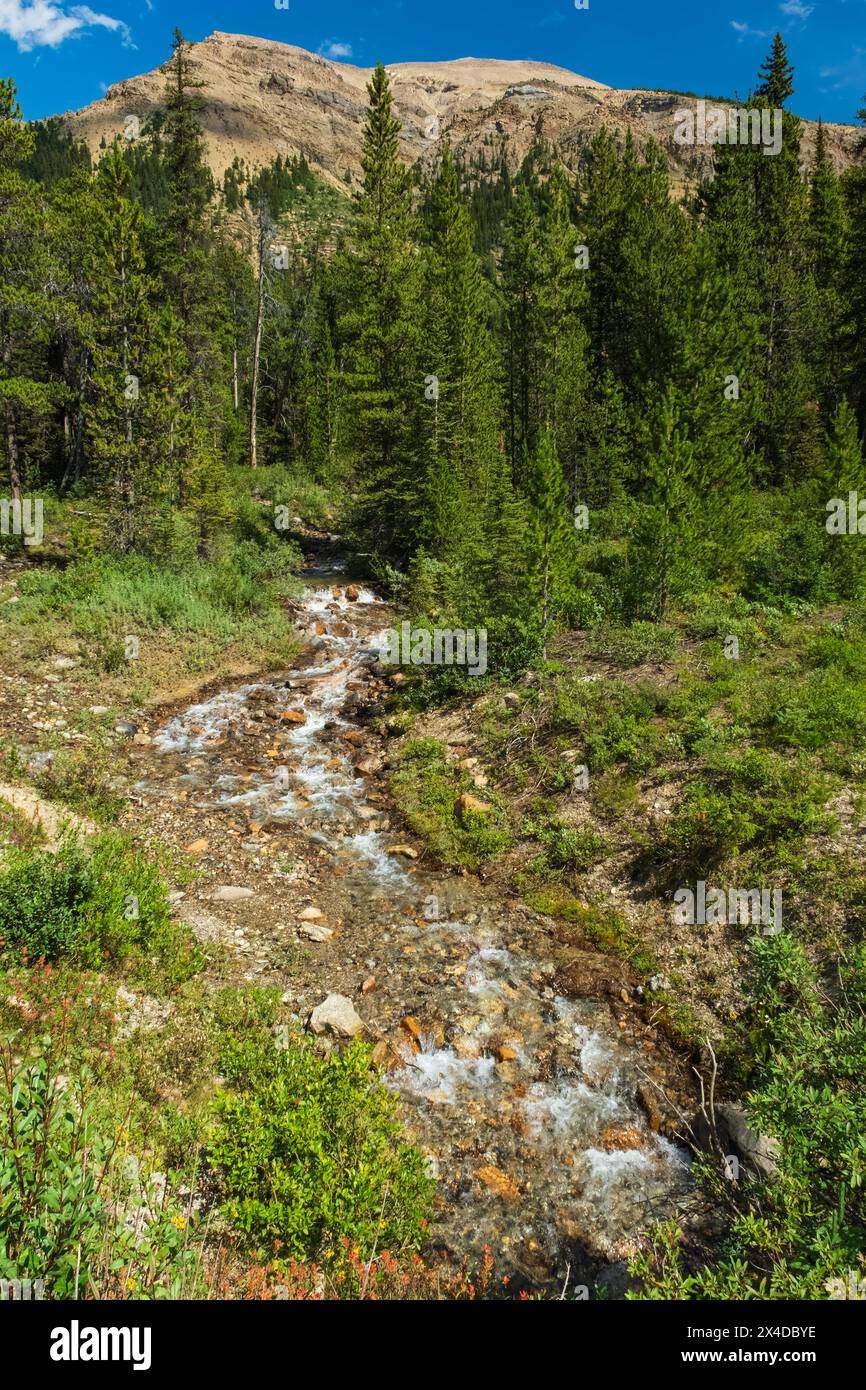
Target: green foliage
x=634, y=645
x=64, y=1191
x=754, y=802
x=96, y=908
x=611, y=722
x=801, y=1234
x=428, y=788
x=308, y=1152
x=566, y=850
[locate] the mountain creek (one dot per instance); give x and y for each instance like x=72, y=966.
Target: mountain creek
x=528, y=1070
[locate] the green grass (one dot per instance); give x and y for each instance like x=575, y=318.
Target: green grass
x=426, y=787
x=601, y=926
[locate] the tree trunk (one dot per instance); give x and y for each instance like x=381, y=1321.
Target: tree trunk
x=11, y=422
x=257, y=348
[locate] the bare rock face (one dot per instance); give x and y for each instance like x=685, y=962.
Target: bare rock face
x=265, y=99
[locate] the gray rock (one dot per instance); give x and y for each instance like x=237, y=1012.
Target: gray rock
x=336, y=1015
x=756, y=1152
x=39, y=762
x=229, y=894
x=124, y=726
x=316, y=931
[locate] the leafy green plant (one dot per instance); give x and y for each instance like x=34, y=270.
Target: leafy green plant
x=309, y=1152
x=567, y=850
x=95, y=908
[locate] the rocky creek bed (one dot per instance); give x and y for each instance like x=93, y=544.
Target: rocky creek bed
x=529, y=1074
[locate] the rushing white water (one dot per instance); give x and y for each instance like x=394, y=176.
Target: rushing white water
x=509, y=1074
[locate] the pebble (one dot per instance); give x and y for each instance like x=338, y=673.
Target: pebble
x=230, y=894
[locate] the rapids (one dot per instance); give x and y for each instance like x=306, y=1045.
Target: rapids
x=524, y=1100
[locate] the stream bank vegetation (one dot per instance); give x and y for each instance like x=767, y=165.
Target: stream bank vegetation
x=674, y=689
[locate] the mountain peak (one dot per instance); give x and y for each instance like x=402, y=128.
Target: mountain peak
x=265, y=98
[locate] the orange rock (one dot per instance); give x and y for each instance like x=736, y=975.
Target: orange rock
x=497, y=1182
x=321, y=629
x=391, y=1055
x=619, y=1138
x=506, y=1053
x=369, y=985
x=197, y=847
x=466, y=804
x=352, y=593
x=412, y=1026
x=293, y=716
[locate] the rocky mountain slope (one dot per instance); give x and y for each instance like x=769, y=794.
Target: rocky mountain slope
x=266, y=98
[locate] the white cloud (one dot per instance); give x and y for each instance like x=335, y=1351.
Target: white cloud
x=796, y=9
x=46, y=24
x=850, y=74
x=746, y=32
x=331, y=48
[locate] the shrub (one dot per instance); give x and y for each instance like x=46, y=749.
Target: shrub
x=630, y=646
x=566, y=850
x=66, y=1191
x=309, y=1153
x=613, y=722
x=756, y=800
x=800, y=1235
x=93, y=909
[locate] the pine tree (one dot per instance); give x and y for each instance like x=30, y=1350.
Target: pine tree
x=854, y=279
x=460, y=432
x=26, y=309
x=521, y=274
x=551, y=551
x=828, y=231
x=563, y=301
x=844, y=472
x=756, y=202
x=381, y=332
x=120, y=414
x=189, y=189
x=659, y=555
x=776, y=75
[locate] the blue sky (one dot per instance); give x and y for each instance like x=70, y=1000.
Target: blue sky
x=62, y=54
